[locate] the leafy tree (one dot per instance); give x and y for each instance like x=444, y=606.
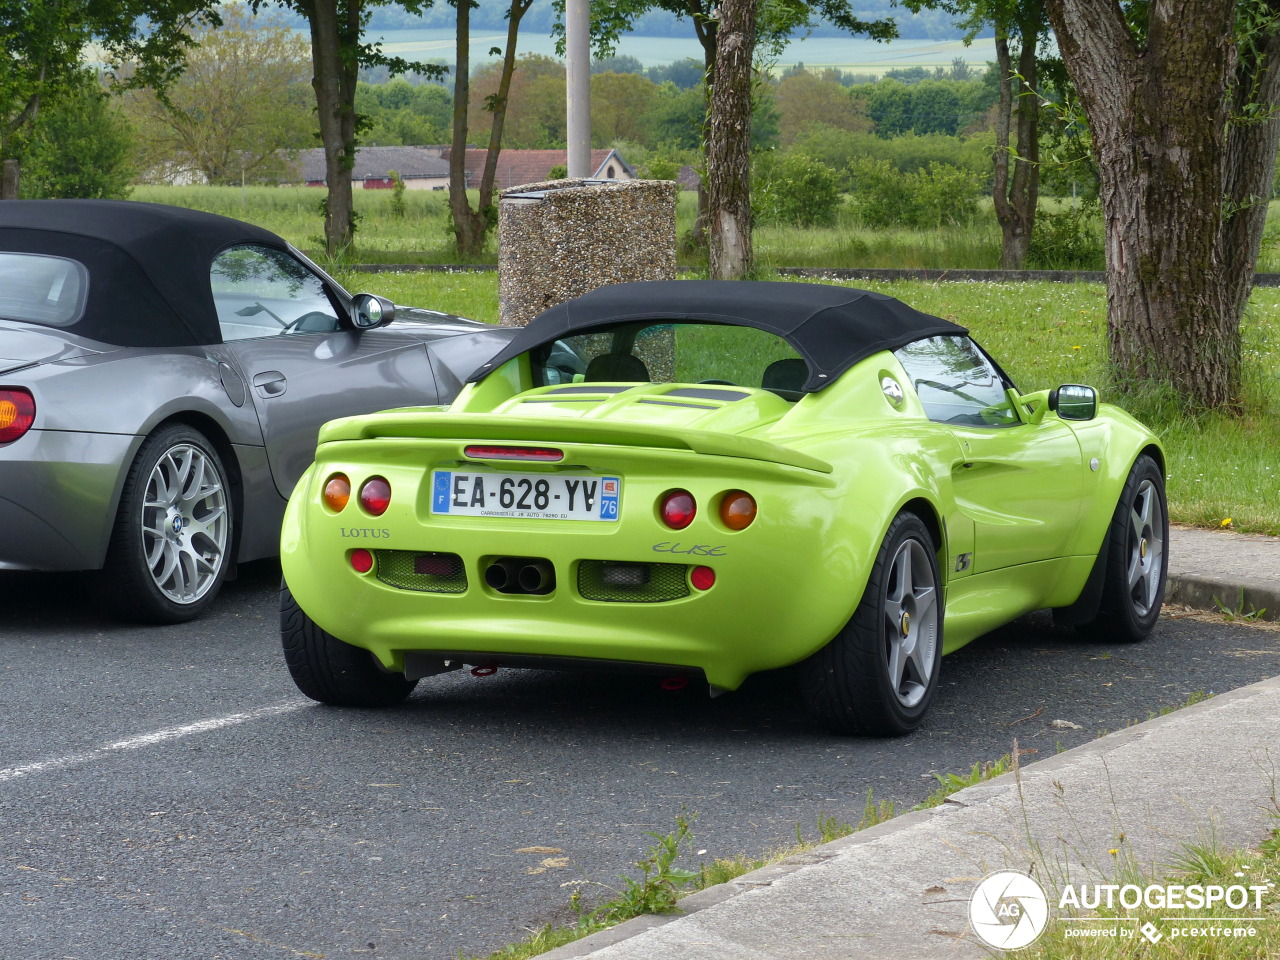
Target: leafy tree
x=43, y=41
x=241, y=103
x=685, y=74
x=623, y=64
x=400, y=113
x=1181, y=100
x=79, y=147
x=338, y=51
x=620, y=104
x=804, y=99
x=535, y=116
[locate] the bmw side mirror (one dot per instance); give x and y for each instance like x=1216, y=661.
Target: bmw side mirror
x=368, y=311
x=1074, y=401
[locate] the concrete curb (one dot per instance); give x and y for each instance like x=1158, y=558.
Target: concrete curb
x=1006, y=787
x=1216, y=595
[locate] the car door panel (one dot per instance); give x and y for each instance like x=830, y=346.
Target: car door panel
x=293, y=379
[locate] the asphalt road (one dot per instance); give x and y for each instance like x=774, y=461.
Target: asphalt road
x=167, y=793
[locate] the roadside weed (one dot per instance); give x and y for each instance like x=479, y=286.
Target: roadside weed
x=1238, y=612
x=950, y=783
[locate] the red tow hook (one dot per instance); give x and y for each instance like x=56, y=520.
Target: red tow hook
x=486, y=671
x=674, y=684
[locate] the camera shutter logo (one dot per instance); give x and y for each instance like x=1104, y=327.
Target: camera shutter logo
x=1008, y=910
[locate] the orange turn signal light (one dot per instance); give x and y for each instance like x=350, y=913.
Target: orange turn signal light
x=737, y=509
x=337, y=491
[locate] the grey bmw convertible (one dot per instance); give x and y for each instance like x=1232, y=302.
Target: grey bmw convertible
x=163, y=377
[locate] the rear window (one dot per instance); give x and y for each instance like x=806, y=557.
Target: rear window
x=664, y=352
x=41, y=289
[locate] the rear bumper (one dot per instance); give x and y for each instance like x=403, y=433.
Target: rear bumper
x=58, y=496
x=781, y=589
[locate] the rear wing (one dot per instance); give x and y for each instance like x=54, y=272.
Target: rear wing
x=417, y=425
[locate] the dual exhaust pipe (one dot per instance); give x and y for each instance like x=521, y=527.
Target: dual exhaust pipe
x=528, y=576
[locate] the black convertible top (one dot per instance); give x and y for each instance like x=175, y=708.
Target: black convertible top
x=831, y=327
x=148, y=263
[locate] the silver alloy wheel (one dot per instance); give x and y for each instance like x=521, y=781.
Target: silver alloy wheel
x=910, y=623
x=1145, y=548
x=185, y=525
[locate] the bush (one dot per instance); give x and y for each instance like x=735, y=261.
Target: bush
x=939, y=194
x=795, y=189
x=79, y=147
x=1067, y=240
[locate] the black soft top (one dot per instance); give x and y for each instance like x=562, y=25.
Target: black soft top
x=148, y=264
x=832, y=328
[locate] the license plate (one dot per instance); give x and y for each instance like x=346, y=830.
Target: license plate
x=537, y=495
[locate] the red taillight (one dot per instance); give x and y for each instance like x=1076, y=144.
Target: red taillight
x=702, y=578
x=482, y=452
x=361, y=561
x=337, y=491
x=17, y=413
x=737, y=510
x=375, y=496
x=677, y=509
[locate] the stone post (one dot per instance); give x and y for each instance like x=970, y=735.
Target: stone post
x=563, y=238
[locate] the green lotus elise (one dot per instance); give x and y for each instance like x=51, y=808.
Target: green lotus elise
x=706, y=480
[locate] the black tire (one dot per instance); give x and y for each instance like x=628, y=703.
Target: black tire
x=854, y=684
x=173, y=538
x=1137, y=560
x=330, y=671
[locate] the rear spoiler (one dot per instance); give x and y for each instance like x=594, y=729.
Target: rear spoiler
x=417, y=425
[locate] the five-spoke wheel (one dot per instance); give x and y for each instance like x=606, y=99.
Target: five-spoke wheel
x=1136, y=560
x=878, y=675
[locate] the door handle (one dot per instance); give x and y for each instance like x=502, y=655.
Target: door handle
x=270, y=383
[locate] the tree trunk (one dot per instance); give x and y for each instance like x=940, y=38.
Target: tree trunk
x=471, y=227
x=706, y=28
x=9, y=181
x=729, y=147
x=1159, y=117
x=335, y=84
x=1252, y=142
x=468, y=229
x=1015, y=199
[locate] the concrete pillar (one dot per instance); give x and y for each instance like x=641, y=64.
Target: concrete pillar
x=563, y=238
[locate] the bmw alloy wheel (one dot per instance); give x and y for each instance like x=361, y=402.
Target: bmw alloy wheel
x=185, y=523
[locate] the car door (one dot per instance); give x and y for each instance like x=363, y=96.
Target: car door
x=1021, y=484
x=304, y=364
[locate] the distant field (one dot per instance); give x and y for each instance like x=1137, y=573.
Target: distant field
x=853, y=54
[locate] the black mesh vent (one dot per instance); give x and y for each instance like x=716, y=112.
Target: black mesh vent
x=428, y=572
x=618, y=582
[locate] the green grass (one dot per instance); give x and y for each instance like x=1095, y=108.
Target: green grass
x=1196, y=863
x=1220, y=466
x=422, y=234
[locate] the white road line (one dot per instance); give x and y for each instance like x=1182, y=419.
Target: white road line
x=150, y=739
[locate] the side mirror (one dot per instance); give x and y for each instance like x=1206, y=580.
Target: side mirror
x=368, y=311
x=1073, y=401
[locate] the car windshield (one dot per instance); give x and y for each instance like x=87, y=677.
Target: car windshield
x=664, y=352
x=42, y=289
